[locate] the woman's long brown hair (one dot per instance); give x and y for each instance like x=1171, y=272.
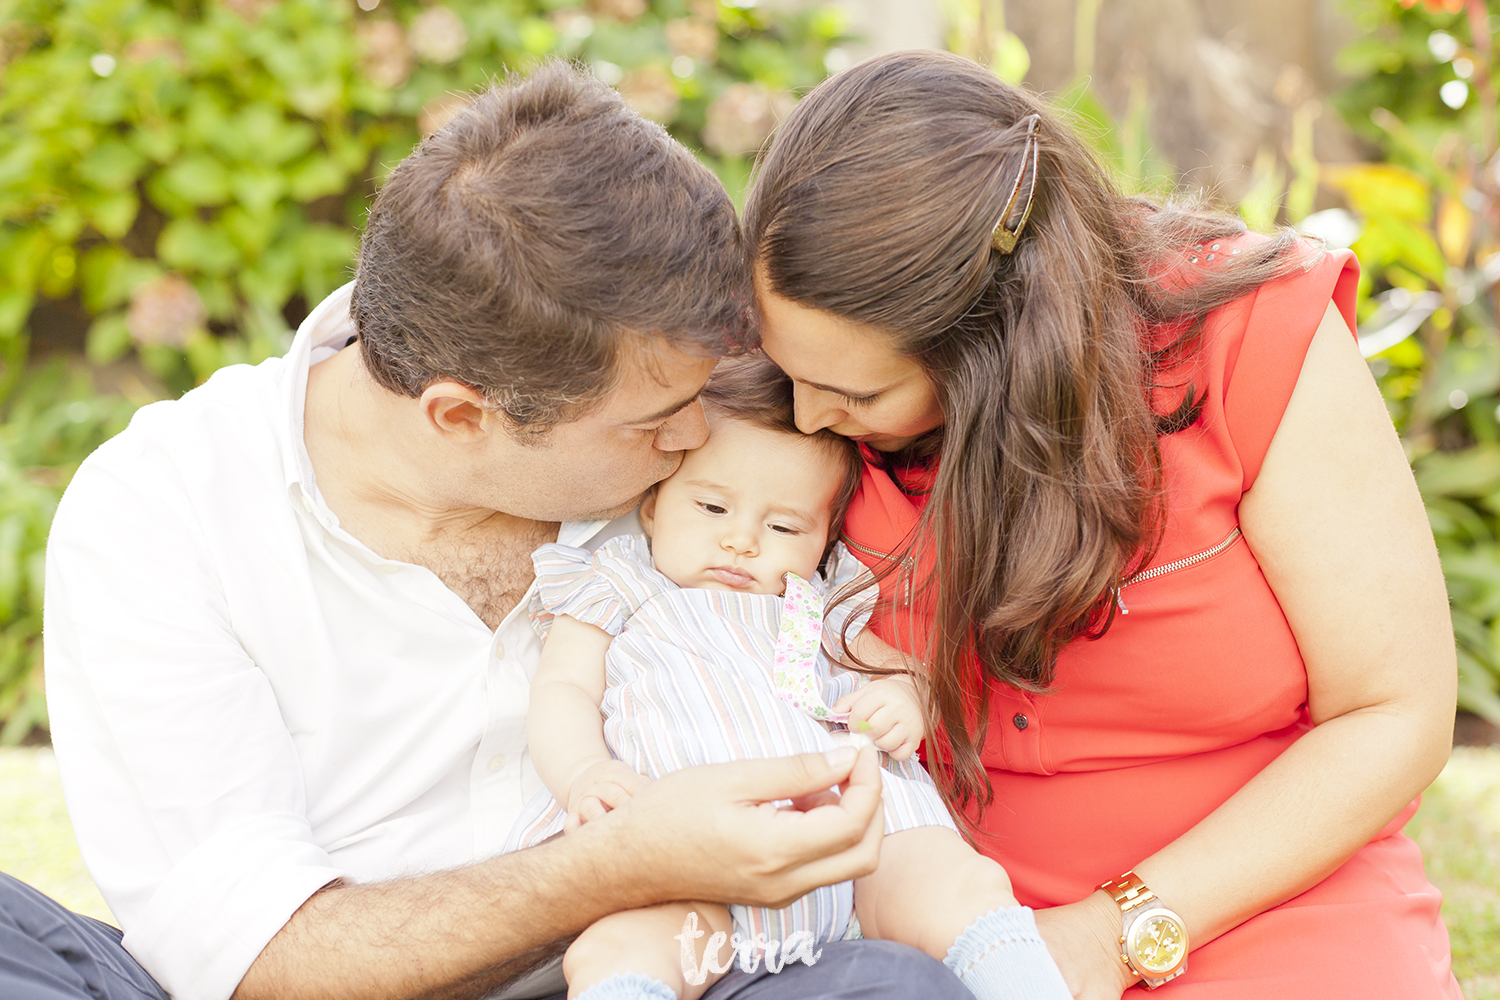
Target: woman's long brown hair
x=876, y=201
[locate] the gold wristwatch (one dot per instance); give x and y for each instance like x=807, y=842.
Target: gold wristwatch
x=1153, y=939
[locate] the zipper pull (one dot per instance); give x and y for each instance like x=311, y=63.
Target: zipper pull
x=1120, y=601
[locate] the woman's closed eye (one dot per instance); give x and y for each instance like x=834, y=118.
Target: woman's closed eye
x=859, y=400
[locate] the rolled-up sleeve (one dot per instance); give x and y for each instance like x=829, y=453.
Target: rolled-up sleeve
x=182, y=779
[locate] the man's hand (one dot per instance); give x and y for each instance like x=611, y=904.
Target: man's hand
x=889, y=711
x=605, y=785
x=717, y=833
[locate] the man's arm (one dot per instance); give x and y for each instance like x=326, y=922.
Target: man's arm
x=702, y=833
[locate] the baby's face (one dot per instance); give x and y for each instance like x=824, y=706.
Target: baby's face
x=743, y=510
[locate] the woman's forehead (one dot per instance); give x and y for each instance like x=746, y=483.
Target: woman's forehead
x=812, y=345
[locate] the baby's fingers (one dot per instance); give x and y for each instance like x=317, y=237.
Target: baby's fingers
x=589, y=808
x=612, y=794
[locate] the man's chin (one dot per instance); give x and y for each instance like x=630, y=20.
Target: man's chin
x=609, y=514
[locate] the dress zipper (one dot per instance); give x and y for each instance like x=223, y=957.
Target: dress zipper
x=907, y=562
x=1174, y=566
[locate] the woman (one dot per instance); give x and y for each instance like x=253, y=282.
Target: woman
x=1139, y=509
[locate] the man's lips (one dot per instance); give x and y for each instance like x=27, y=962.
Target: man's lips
x=731, y=576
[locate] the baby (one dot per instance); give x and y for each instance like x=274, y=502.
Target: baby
x=704, y=644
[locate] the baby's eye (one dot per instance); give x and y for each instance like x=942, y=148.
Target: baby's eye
x=712, y=508
x=785, y=529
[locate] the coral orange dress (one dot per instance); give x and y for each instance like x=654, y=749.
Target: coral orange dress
x=1201, y=685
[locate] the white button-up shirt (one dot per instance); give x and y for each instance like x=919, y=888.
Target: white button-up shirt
x=246, y=701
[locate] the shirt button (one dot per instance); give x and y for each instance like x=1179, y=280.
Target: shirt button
x=1020, y=721
x=496, y=762
x=499, y=649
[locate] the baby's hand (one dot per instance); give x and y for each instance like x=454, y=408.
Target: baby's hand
x=889, y=711
x=599, y=788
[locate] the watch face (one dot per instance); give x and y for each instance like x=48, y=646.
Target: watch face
x=1158, y=942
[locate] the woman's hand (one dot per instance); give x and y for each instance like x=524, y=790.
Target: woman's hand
x=1084, y=939
x=889, y=711
x=602, y=786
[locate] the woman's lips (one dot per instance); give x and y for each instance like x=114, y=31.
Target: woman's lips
x=731, y=576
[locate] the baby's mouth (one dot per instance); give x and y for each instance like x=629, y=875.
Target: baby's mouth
x=731, y=576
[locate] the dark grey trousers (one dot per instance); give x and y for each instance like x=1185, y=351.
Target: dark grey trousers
x=48, y=952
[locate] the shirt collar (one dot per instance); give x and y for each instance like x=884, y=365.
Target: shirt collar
x=327, y=330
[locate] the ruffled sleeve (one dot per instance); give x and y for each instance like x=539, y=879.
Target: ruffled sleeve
x=603, y=588
x=1262, y=365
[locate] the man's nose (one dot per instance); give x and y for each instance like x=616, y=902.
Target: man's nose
x=682, y=431
x=813, y=409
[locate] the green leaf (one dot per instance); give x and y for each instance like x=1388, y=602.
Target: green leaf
x=316, y=177
x=1381, y=189
x=12, y=534
x=197, y=179
x=15, y=306
x=1011, y=60
x=108, y=276
x=1473, y=472
x=257, y=189
x=190, y=245
x=114, y=213
x=112, y=165
x=108, y=339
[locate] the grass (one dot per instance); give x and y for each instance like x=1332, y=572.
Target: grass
x=36, y=839
x=1458, y=827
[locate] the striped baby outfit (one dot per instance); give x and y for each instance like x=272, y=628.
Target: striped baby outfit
x=690, y=680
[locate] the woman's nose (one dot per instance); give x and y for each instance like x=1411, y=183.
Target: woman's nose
x=682, y=431
x=813, y=409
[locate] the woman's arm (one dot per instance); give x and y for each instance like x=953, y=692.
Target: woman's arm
x=1338, y=527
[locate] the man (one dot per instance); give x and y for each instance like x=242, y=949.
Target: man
x=287, y=644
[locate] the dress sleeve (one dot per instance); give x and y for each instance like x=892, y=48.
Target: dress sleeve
x=1261, y=369
x=601, y=589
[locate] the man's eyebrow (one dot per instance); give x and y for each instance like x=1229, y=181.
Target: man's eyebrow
x=668, y=411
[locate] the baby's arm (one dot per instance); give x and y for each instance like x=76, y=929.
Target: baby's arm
x=565, y=730
x=888, y=709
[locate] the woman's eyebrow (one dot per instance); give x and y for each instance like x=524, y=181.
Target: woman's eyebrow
x=845, y=392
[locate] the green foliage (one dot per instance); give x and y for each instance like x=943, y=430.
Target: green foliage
x=192, y=175
x=1430, y=246
x=54, y=420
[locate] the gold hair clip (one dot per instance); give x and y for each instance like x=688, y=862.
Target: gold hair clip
x=1008, y=233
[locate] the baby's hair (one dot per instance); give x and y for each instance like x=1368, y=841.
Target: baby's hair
x=751, y=388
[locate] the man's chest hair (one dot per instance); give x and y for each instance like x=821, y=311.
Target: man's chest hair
x=488, y=565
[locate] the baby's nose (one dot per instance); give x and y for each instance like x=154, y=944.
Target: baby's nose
x=739, y=540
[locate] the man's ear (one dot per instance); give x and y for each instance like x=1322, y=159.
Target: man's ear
x=647, y=512
x=457, y=411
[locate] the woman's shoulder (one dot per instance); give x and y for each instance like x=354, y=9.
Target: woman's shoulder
x=1260, y=341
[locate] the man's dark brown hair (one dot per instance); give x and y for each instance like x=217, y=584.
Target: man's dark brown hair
x=517, y=246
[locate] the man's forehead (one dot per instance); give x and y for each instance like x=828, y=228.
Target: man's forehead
x=656, y=378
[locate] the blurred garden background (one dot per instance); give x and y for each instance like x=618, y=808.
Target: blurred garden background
x=181, y=180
